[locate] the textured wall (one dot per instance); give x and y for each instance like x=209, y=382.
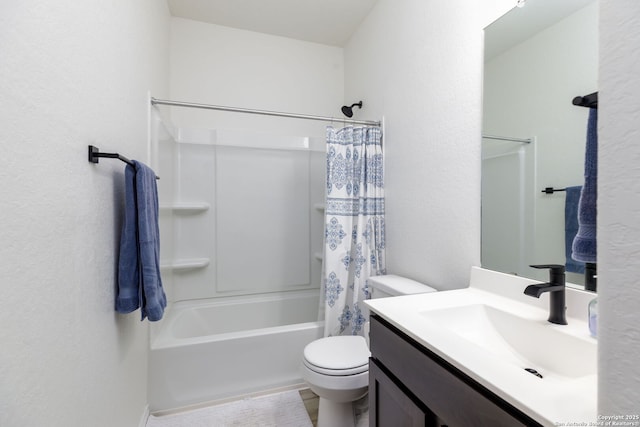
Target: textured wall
x=218, y=65
x=419, y=65
x=72, y=73
x=618, y=208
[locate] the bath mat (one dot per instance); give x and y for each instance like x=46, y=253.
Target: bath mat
x=275, y=410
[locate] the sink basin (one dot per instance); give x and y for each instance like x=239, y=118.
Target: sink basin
x=532, y=344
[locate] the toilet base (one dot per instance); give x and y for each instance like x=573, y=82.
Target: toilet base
x=335, y=414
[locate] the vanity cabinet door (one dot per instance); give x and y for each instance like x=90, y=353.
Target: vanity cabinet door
x=391, y=406
x=446, y=391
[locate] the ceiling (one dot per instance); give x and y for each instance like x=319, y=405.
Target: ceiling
x=521, y=23
x=330, y=22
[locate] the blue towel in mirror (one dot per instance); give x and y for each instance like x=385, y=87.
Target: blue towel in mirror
x=139, y=281
x=571, y=228
x=584, y=244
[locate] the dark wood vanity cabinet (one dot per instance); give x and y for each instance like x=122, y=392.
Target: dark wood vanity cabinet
x=411, y=386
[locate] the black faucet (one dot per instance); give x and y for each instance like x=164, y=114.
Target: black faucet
x=557, y=306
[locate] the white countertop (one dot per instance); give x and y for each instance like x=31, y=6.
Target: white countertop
x=554, y=400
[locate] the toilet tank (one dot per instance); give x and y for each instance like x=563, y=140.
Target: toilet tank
x=391, y=285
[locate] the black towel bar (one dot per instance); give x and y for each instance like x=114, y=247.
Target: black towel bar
x=589, y=101
x=551, y=190
x=95, y=154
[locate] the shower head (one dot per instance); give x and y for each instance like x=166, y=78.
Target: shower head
x=348, y=111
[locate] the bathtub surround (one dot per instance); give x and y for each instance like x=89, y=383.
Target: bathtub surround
x=257, y=195
x=266, y=220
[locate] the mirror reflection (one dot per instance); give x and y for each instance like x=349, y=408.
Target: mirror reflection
x=538, y=58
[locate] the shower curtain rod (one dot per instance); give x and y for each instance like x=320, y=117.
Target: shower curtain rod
x=155, y=101
x=508, y=138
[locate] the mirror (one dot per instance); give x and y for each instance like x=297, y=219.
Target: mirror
x=537, y=59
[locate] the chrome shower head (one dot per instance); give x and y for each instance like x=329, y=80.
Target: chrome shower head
x=348, y=111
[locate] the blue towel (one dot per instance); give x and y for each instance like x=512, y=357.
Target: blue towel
x=571, y=228
x=139, y=281
x=584, y=245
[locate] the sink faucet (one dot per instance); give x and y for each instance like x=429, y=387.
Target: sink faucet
x=557, y=306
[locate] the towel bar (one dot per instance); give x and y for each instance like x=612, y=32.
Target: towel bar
x=95, y=154
x=551, y=190
x=589, y=101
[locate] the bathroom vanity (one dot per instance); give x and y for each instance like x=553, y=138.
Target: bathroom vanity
x=481, y=356
x=408, y=385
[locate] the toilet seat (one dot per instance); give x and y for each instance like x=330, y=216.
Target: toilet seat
x=337, y=372
x=337, y=356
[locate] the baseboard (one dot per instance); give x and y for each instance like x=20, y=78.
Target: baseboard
x=144, y=417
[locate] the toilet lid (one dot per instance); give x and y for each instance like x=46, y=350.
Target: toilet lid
x=346, y=354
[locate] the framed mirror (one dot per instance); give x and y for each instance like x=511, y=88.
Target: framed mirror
x=538, y=58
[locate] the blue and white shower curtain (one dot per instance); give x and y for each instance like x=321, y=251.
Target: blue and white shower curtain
x=354, y=225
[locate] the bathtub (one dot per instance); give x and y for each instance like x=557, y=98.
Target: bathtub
x=213, y=349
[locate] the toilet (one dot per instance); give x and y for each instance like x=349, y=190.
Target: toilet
x=337, y=368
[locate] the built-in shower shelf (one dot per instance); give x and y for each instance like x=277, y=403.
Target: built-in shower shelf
x=185, y=264
x=186, y=208
x=318, y=256
x=319, y=207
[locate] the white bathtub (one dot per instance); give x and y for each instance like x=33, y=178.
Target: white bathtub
x=214, y=349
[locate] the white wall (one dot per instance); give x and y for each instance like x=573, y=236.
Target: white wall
x=618, y=207
x=419, y=65
x=212, y=64
x=72, y=73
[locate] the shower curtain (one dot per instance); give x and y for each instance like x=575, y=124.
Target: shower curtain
x=354, y=226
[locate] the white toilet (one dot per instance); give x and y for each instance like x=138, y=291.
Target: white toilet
x=337, y=368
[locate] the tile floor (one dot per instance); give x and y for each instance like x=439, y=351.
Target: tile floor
x=310, y=400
